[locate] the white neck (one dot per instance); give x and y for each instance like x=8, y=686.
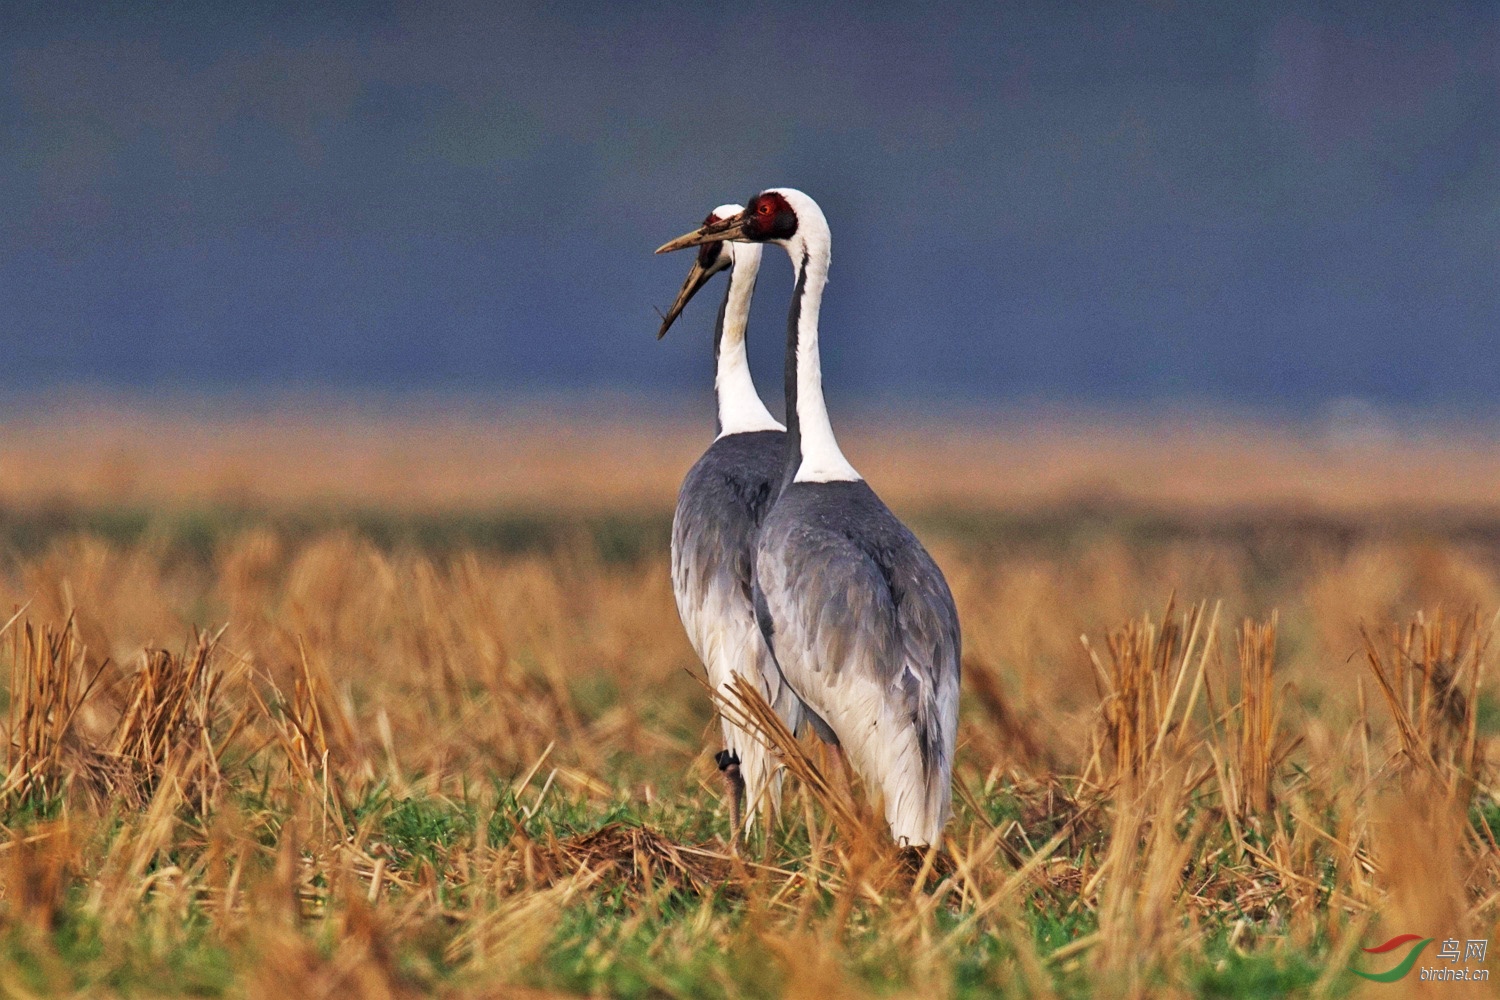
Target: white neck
x=811, y=251
x=740, y=407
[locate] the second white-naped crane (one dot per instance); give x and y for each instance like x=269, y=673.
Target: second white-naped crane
x=859, y=617
x=720, y=508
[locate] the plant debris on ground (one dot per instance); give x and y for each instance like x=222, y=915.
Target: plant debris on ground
x=314, y=765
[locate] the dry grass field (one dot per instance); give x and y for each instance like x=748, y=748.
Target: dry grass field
x=351, y=705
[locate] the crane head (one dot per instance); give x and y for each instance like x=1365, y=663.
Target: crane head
x=769, y=218
x=712, y=258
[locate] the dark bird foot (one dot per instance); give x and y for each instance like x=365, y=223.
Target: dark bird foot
x=910, y=860
x=734, y=790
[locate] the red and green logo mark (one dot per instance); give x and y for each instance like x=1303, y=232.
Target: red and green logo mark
x=1406, y=963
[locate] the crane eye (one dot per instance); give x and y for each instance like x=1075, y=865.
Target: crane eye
x=764, y=208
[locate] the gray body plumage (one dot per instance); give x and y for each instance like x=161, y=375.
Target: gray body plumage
x=720, y=508
x=864, y=629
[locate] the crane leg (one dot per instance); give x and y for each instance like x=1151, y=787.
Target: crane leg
x=734, y=790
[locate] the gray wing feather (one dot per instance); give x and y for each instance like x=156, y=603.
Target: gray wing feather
x=864, y=628
x=849, y=613
x=928, y=623
x=720, y=508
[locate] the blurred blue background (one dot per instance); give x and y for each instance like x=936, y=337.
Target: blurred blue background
x=1245, y=205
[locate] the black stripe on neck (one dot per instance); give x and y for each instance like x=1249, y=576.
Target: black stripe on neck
x=789, y=376
x=718, y=340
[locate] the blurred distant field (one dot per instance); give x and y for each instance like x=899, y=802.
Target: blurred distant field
x=622, y=455
x=341, y=703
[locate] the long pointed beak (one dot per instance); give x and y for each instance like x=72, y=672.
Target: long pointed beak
x=696, y=279
x=732, y=228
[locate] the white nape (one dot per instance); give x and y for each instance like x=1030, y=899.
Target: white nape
x=741, y=410
x=810, y=249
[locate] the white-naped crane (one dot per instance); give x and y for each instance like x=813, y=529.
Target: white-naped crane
x=859, y=617
x=720, y=507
